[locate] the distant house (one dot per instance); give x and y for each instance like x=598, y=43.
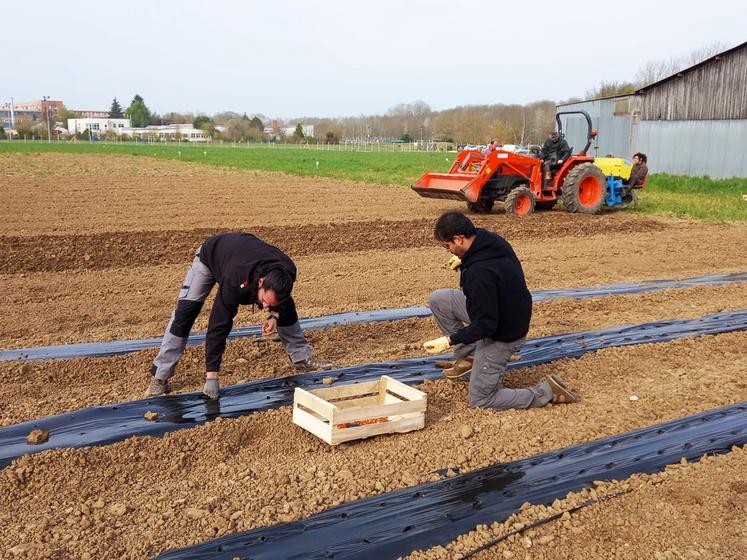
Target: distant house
x=693, y=122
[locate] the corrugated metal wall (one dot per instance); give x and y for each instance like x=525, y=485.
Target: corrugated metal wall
x=614, y=131
x=715, y=148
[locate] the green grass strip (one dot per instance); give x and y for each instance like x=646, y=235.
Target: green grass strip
x=695, y=197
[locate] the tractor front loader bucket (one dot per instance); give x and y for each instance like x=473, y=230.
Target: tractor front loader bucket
x=455, y=186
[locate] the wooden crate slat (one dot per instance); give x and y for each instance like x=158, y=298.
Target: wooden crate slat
x=364, y=413
x=311, y=423
x=399, y=388
x=350, y=390
x=357, y=403
x=369, y=430
x=312, y=402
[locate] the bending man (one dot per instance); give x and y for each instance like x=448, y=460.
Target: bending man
x=248, y=271
x=487, y=320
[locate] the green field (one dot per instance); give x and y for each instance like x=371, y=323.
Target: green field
x=696, y=197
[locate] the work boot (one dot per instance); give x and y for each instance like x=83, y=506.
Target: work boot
x=157, y=387
x=561, y=393
x=311, y=364
x=460, y=368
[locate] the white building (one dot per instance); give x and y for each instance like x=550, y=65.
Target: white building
x=308, y=130
x=168, y=132
x=96, y=126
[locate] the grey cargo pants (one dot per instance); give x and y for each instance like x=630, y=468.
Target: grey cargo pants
x=194, y=291
x=486, y=390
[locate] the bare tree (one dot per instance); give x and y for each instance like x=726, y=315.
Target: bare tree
x=653, y=71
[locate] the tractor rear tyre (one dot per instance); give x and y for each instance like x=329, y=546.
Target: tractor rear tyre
x=482, y=206
x=584, y=188
x=520, y=201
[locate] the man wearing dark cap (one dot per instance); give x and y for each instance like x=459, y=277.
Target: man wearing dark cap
x=248, y=271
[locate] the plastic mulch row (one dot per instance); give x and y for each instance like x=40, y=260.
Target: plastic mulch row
x=101, y=425
x=391, y=525
x=116, y=347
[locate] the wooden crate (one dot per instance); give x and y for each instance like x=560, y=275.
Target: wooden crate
x=359, y=410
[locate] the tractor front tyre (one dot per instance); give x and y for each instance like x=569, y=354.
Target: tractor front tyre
x=584, y=188
x=482, y=206
x=520, y=201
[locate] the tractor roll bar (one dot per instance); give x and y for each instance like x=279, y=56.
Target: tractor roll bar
x=591, y=133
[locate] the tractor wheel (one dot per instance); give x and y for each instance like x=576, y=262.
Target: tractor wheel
x=482, y=206
x=545, y=204
x=520, y=201
x=584, y=188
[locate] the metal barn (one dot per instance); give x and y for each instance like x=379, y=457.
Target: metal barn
x=693, y=122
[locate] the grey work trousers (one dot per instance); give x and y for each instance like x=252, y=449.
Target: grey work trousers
x=486, y=390
x=194, y=291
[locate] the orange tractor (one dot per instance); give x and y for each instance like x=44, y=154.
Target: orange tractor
x=519, y=182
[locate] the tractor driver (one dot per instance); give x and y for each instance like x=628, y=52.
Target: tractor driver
x=554, y=152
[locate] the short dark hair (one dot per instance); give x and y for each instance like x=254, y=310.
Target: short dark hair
x=451, y=224
x=279, y=281
x=641, y=157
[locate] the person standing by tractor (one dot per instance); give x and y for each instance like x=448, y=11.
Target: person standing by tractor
x=248, y=271
x=487, y=320
x=554, y=152
x=490, y=148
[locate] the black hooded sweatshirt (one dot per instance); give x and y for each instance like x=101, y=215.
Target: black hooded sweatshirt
x=237, y=261
x=499, y=303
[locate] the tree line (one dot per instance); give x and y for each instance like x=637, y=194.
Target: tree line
x=409, y=122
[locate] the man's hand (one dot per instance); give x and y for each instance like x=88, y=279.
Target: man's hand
x=438, y=345
x=454, y=263
x=270, y=326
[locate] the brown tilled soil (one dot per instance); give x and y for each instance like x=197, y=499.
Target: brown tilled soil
x=45, y=388
x=94, y=248
x=144, y=495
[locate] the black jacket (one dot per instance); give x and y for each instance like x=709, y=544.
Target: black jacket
x=498, y=301
x=237, y=261
x=555, y=150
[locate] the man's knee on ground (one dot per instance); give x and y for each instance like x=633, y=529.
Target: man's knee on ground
x=437, y=298
x=482, y=400
x=184, y=317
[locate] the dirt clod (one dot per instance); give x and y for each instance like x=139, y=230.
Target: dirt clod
x=466, y=431
x=37, y=436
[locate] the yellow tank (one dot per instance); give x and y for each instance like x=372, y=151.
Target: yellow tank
x=615, y=167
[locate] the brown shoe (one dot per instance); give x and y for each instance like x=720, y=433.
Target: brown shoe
x=157, y=387
x=443, y=364
x=311, y=364
x=561, y=394
x=460, y=368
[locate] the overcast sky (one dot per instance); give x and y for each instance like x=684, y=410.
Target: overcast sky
x=293, y=58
